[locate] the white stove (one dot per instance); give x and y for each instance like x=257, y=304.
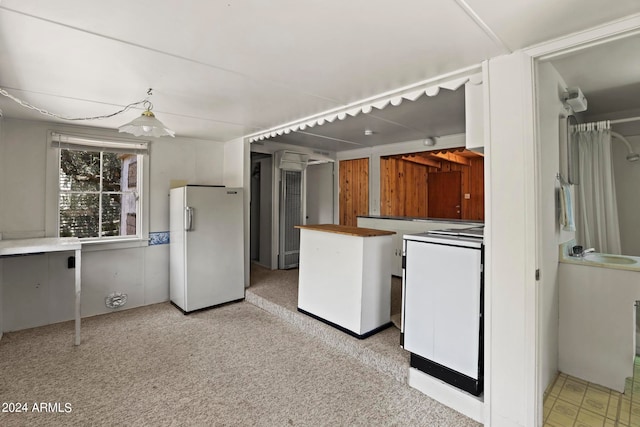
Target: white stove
x=442, y=324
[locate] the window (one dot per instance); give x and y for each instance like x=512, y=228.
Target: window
x=99, y=188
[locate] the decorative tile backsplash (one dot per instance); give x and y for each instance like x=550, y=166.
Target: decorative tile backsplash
x=158, y=238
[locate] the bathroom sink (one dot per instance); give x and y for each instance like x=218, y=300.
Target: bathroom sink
x=609, y=259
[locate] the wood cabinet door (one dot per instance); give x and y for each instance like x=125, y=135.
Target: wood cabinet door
x=354, y=190
x=445, y=195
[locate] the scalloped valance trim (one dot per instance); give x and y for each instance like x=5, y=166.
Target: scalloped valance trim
x=381, y=101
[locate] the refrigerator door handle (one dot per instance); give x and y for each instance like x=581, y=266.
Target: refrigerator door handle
x=188, y=218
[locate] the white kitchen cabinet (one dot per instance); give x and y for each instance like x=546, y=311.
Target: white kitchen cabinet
x=474, y=116
x=344, y=277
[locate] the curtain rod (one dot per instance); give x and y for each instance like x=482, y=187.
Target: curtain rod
x=630, y=119
x=614, y=122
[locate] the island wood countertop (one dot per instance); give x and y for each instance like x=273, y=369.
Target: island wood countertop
x=346, y=229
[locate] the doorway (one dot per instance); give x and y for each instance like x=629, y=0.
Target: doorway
x=444, y=194
x=261, y=206
x=319, y=195
x=291, y=198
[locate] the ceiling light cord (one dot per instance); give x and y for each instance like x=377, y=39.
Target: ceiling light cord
x=50, y=114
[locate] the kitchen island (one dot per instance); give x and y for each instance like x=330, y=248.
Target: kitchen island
x=345, y=277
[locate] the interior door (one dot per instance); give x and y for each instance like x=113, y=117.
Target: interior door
x=290, y=216
x=354, y=190
x=445, y=195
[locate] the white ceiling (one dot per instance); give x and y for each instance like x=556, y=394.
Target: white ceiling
x=225, y=69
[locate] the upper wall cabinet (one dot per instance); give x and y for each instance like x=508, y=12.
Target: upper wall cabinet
x=474, y=116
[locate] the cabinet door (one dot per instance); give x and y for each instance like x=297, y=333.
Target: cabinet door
x=442, y=319
x=474, y=116
x=419, y=302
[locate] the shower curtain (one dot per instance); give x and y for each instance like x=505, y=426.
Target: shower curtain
x=597, y=209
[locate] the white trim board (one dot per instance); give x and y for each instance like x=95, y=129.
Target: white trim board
x=461, y=401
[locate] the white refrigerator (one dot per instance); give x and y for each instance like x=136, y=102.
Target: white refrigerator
x=206, y=251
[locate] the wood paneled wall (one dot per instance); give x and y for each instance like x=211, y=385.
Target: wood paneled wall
x=354, y=190
x=403, y=188
x=472, y=184
x=404, y=191
x=475, y=205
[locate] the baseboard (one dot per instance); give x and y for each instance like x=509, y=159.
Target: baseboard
x=463, y=402
x=345, y=330
x=205, y=308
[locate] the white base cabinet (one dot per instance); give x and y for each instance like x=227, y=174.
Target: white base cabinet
x=345, y=278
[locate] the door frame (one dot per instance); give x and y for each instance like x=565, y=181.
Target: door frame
x=622, y=28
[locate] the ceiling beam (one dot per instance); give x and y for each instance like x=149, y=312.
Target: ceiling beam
x=454, y=158
x=422, y=161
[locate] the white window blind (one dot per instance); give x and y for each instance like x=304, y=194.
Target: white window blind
x=100, y=195
x=80, y=142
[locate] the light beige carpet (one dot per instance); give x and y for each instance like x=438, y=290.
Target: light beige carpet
x=276, y=291
x=236, y=365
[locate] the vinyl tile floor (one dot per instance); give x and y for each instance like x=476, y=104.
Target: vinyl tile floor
x=572, y=402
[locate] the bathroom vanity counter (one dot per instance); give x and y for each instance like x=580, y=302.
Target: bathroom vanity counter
x=597, y=318
x=596, y=259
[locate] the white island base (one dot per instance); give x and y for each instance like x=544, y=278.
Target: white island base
x=345, y=277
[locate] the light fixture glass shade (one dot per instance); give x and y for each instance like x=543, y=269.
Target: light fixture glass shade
x=146, y=125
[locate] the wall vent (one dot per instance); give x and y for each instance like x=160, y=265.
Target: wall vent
x=115, y=300
x=290, y=161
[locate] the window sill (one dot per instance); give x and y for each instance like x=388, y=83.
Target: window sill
x=107, y=245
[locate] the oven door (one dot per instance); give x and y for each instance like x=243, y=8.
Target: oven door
x=442, y=303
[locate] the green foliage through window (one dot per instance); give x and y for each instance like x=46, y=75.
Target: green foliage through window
x=98, y=194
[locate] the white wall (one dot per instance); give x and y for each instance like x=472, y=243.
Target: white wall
x=39, y=289
x=551, y=136
x=627, y=176
x=237, y=174
x=510, y=238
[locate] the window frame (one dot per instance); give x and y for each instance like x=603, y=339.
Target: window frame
x=52, y=226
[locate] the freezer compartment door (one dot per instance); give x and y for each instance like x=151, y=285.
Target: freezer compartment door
x=442, y=304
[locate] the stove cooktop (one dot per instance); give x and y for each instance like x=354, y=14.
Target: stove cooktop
x=472, y=232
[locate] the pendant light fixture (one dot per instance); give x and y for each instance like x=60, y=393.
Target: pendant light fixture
x=146, y=124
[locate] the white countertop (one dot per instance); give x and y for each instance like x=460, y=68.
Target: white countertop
x=42, y=244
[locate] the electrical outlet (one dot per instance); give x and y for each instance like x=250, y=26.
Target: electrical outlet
x=467, y=195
